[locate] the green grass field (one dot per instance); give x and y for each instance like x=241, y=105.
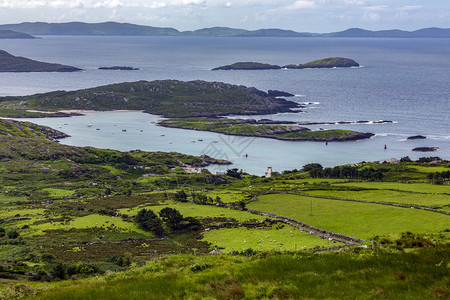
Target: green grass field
x=355, y=219
x=286, y=238
x=412, y=187
x=429, y=200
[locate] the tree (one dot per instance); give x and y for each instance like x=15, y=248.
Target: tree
x=171, y=217
x=148, y=220
x=309, y=167
x=181, y=196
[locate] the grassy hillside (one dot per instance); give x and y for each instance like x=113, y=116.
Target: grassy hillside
x=281, y=276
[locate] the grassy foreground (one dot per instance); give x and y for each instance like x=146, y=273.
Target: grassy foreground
x=364, y=275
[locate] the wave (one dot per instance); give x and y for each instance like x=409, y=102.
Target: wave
x=438, y=137
x=310, y=103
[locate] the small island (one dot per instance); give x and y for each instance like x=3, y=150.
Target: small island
x=248, y=66
x=425, y=149
x=416, y=137
x=11, y=63
x=119, y=68
x=264, y=128
x=331, y=62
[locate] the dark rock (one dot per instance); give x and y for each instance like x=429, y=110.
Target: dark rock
x=120, y=68
x=275, y=93
x=426, y=149
x=416, y=137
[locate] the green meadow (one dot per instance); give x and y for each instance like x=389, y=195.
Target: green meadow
x=361, y=220
x=427, y=200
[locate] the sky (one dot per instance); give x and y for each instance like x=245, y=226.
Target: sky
x=318, y=16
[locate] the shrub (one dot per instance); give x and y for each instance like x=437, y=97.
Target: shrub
x=148, y=220
x=12, y=234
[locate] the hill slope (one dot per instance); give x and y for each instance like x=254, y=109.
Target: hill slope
x=11, y=63
x=9, y=34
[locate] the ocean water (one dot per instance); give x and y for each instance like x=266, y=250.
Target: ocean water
x=406, y=81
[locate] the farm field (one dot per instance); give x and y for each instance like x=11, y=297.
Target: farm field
x=411, y=187
x=361, y=220
x=280, y=238
x=427, y=200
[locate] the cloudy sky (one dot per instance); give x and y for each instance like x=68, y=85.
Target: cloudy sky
x=299, y=15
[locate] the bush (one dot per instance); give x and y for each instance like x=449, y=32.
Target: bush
x=12, y=234
x=148, y=220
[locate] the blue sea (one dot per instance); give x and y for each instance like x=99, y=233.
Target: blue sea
x=406, y=81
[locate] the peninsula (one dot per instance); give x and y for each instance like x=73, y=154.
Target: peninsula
x=331, y=62
x=10, y=34
x=11, y=63
x=264, y=128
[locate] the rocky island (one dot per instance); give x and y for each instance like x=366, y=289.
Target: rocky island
x=248, y=66
x=416, y=137
x=425, y=149
x=168, y=98
x=331, y=62
x=11, y=63
x=119, y=68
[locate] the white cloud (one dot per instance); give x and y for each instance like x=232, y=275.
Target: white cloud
x=97, y=3
x=411, y=7
x=301, y=4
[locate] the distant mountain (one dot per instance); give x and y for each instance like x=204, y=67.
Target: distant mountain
x=395, y=33
x=11, y=63
x=126, y=29
x=216, y=31
x=9, y=34
x=79, y=28
x=276, y=33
